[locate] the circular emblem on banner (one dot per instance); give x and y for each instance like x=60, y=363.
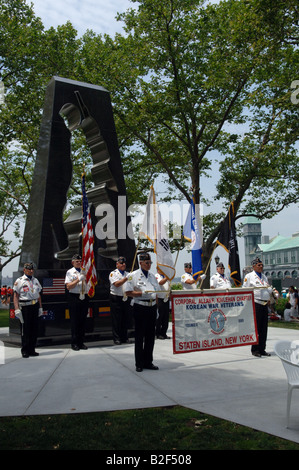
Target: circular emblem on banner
x=217, y=321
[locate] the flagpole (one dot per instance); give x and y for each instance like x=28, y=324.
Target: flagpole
x=176, y=259
x=209, y=262
x=82, y=241
x=138, y=243
x=132, y=268
x=178, y=252
x=155, y=219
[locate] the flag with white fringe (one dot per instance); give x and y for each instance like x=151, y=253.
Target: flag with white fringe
x=153, y=230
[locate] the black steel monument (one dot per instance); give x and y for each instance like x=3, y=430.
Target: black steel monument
x=49, y=242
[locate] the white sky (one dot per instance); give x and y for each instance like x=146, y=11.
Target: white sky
x=99, y=16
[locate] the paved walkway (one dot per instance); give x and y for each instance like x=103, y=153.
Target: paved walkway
x=228, y=383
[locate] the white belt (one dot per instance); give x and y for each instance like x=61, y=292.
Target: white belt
x=147, y=303
x=30, y=302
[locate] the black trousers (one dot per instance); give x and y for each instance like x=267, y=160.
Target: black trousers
x=261, y=315
x=163, y=319
x=78, y=313
x=29, y=329
x=120, y=317
x=145, y=323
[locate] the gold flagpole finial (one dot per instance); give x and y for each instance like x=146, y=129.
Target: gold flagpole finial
x=83, y=170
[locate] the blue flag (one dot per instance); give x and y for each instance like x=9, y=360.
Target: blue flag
x=191, y=233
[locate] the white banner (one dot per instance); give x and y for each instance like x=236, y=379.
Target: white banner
x=212, y=319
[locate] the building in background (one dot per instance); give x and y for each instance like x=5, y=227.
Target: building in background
x=280, y=254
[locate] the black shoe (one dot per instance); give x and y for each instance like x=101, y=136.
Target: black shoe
x=25, y=354
x=34, y=354
x=83, y=347
x=256, y=354
x=139, y=369
x=152, y=367
x=117, y=342
x=264, y=353
x=160, y=337
x=75, y=347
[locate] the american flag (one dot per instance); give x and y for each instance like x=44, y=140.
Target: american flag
x=53, y=286
x=88, y=262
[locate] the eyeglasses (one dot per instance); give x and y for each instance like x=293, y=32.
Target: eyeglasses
x=147, y=262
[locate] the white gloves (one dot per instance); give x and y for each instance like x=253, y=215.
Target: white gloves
x=19, y=315
x=203, y=276
x=149, y=295
x=81, y=277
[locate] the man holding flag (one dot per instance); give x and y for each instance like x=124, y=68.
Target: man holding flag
x=81, y=279
x=78, y=302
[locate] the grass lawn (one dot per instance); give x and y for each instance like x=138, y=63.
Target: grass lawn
x=171, y=429
x=4, y=318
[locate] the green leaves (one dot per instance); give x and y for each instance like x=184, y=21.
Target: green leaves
x=190, y=82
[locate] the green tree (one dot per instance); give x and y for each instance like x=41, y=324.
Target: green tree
x=196, y=89
x=29, y=57
x=190, y=81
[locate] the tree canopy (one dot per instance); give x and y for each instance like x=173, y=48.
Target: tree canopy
x=197, y=88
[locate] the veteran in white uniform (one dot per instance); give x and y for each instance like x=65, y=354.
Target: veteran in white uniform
x=219, y=280
x=257, y=279
x=187, y=280
x=163, y=305
x=141, y=286
x=28, y=307
x=119, y=303
x=78, y=302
